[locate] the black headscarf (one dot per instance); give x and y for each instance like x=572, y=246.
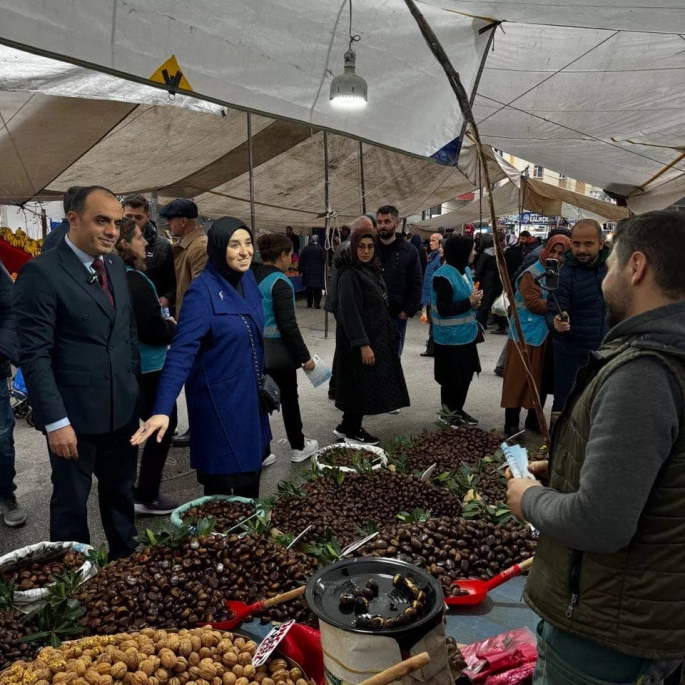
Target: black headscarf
x=457, y=250
x=357, y=235
x=218, y=238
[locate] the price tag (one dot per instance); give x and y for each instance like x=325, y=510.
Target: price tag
x=270, y=642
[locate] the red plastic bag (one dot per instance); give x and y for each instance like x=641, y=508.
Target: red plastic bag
x=303, y=645
x=507, y=659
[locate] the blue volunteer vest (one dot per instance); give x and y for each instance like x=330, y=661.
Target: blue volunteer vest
x=152, y=357
x=454, y=330
x=265, y=288
x=534, y=326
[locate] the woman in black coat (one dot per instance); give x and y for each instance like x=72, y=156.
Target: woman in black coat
x=487, y=276
x=312, y=266
x=368, y=369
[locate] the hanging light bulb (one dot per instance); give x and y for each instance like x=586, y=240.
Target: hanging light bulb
x=349, y=90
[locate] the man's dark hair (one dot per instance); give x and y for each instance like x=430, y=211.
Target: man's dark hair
x=524, y=234
x=389, y=209
x=584, y=223
x=69, y=198
x=136, y=202
x=78, y=202
x=660, y=236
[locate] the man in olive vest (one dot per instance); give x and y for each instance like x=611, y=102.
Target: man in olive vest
x=609, y=574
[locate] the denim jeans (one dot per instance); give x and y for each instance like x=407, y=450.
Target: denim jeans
x=7, y=472
x=566, y=659
x=401, y=326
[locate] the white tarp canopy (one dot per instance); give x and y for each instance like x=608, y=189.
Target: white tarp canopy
x=539, y=197
x=49, y=142
x=594, y=90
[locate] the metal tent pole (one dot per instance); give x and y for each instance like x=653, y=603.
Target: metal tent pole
x=361, y=175
x=326, y=224
x=250, y=166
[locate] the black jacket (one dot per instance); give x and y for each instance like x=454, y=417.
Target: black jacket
x=9, y=343
x=580, y=295
x=55, y=237
x=160, y=263
x=312, y=266
x=402, y=275
x=363, y=319
x=284, y=312
x=79, y=355
x=153, y=328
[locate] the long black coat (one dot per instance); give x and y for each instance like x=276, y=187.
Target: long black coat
x=311, y=266
x=363, y=319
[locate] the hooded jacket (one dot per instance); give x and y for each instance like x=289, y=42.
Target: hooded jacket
x=610, y=563
x=580, y=295
x=159, y=260
x=402, y=275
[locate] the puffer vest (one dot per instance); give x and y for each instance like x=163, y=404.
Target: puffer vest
x=633, y=600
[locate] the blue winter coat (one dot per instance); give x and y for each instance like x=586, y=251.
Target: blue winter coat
x=580, y=295
x=211, y=354
x=432, y=265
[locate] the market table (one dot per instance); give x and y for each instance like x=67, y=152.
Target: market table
x=503, y=610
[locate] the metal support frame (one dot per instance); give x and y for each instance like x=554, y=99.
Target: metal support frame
x=327, y=223
x=361, y=176
x=250, y=168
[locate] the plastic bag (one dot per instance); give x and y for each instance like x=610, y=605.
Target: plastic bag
x=507, y=659
x=500, y=306
x=28, y=600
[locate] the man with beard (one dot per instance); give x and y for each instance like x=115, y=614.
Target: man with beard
x=159, y=254
x=608, y=574
x=401, y=271
x=582, y=324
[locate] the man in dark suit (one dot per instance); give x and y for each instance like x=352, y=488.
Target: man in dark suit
x=80, y=358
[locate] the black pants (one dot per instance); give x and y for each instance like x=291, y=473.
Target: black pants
x=313, y=295
x=352, y=422
x=454, y=396
x=113, y=460
x=286, y=379
x=237, y=484
x=430, y=345
x=154, y=453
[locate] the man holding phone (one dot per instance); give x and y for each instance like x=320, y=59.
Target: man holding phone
x=577, y=315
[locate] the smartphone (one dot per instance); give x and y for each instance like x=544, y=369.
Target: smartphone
x=552, y=275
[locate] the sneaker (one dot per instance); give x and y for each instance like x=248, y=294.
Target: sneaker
x=340, y=431
x=499, y=371
x=271, y=459
x=12, y=514
x=361, y=437
x=499, y=331
x=511, y=430
x=159, y=507
x=310, y=447
x=394, y=412
x=427, y=354
x=467, y=420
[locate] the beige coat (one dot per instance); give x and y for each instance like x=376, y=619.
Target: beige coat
x=190, y=257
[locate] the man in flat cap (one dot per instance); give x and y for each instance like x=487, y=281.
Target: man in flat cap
x=190, y=248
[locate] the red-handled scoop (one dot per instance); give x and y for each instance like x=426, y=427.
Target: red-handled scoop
x=478, y=589
x=241, y=610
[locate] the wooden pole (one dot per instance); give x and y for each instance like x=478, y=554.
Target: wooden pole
x=465, y=106
x=44, y=222
x=250, y=167
x=327, y=223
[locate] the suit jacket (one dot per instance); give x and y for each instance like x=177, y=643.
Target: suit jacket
x=79, y=355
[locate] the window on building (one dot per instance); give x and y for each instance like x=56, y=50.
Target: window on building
x=537, y=171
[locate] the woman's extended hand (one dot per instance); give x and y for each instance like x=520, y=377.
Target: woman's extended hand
x=368, y=358
x=309, y=366
x=476, y=297
x=158, y=422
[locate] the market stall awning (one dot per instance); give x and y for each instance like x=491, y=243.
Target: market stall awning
x=541, y=198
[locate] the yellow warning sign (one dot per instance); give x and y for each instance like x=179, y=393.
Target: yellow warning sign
x=171, y=76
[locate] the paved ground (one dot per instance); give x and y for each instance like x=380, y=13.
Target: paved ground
x=319, y=415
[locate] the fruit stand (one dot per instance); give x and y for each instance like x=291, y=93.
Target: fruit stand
x=436, y=503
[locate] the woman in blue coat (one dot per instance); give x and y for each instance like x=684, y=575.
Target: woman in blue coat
x=218, y=352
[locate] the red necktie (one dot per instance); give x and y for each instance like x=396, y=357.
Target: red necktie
x=99, y=267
